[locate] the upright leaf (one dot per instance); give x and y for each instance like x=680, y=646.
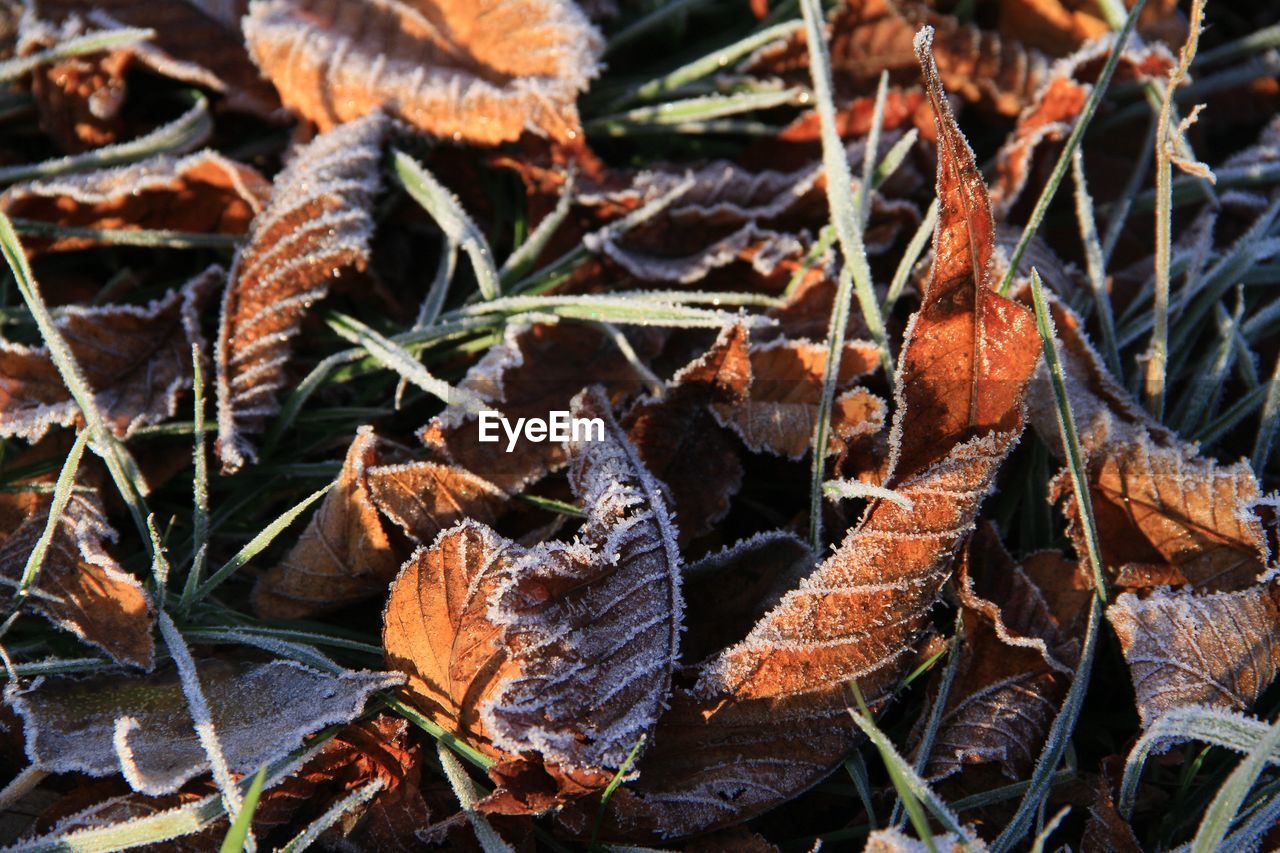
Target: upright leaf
x=317, y=225
x=483, y=71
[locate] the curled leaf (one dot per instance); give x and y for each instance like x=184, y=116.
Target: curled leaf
x=344, y=555
x=137, y=360
x=80, y=588
x=201, y=193
x=141, y=727
x=1185, y=648
x=483, y=72
x=317, y=225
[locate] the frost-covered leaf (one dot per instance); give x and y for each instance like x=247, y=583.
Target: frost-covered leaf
x=483, y=71
x=317, y=225
x=535, y=370
x=423, y=498
x=137, y=360
x=779, y=412
x=894, y=840
x=679, y=441
x=141, y=727
x=554, y=659
x=768, y=717
x=1014, y=668
x=343, y=557
x=81, y=588
x=202, y=193
x=1185, y=648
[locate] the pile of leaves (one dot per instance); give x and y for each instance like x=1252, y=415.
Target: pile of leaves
x=872, y=544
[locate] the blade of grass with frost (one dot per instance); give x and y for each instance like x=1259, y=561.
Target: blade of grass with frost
x=1096, y=267
x=519, y=261
x=145, y=237
x=912, y=790
x=237, y=836
x=303, y=654
x=446, y=738
x=856, y=766
x=1265, y=440
x=255, y=545
x=1267, y=38
x=657, y=18
x=704, y=66
x=1157, y=352
x=871, y=150
x=1213, y=432
x=1227, y=729
x=62, y=492
x=1073, y=141
x=237, y=631
x=198, y=705
x=1231, y=796
x=1118, y=211
x=704, y=108
x=609, y=789
x=433, y=302
x=934, y=723
x=826, y=239
x=124, y=471
x=702, y=297
x=1049, y=829
x=844, y=210
x=159, y=561
x=910, y=255
x=1200, y=401
x=95, y=42
x=465, y=790
x=446, y=210
x=312, y=832
x=396, y=358
x=841, y=489
x=199, y=484
x=180, y=135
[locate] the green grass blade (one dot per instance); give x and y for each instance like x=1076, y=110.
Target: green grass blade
x=519, y=261
x=676, y=115
x=715, y=61
x=238, y=834
x=1265, y=440
x=915, y=248
x=934, y=723
x=465, y=789
x=62, y=491
x=446, y=210
x=1231, y=796
x=446, y=738
x=94, y=42
x=146, y=237
x=856, y=766
x=1095, y=266
x=199, y=483
x=255, y=545
x=312, y=832
x=1069, y=147
x=607, y=795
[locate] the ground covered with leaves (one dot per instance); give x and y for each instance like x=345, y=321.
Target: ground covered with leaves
x=929, y=377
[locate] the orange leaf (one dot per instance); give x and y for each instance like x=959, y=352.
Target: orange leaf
x=474, y=70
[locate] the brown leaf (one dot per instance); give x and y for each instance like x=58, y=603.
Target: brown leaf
x=203, y=193
x=555, y=659
x=318, y=224
x=1014, y=668
x=423, y=498
x=1107, y=831
x=343, y=557
x=142, y=727
x=681, y=444
x=81, y=588
x=1185, y=648
x=535, y=370
x=1060, y=26
x=137, y=360
x=779, y=413
x=483, y=72
x=767, y=718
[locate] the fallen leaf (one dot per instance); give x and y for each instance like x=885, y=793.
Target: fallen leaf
x=481, y=72
x=317, y=224
x=554, y=659
x=1185, y=648
x=343, y=557
x=779, y=413
x=536, y=370
x=679, y=441
x=1107, y=831
x=80, y=588
x=203, y=193
x=141, y=727
x=767, y=718
x=137, y=360
x=893, y=840
x=423, y=498
x=1060, y=26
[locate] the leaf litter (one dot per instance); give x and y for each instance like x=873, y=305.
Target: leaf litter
x=558, y=641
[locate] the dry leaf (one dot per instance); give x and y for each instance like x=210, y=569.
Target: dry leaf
x=779, y=413
x=681, y=444
x=555, y=659
x=141, y=727
x=203, y=193
x=481, y=71
x=893, y=840
x=137, y=360
x=423, y=498
x=343, y=557
x=318, y=224
x=81, y=588
x=767, y=718
x=1059, y=26
x=535, y=370
x=1185, y=648
x=1107, y=831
